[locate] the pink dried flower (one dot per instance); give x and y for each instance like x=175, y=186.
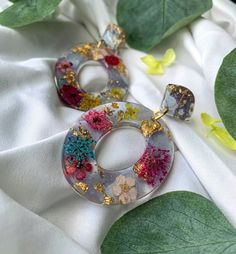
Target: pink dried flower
x=98, y=120
x=64, y=66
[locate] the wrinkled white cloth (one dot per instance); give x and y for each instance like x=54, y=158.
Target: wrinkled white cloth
x=39, y=212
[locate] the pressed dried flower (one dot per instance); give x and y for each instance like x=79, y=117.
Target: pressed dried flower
x=124, y=188
x=98, y=120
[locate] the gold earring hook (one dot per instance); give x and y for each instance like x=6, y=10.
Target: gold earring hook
x=158, y=114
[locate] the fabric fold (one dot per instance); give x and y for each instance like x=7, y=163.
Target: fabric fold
x=40, y=213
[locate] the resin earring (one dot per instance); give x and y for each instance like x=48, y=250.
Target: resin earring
x=105, y=52
x=127, y=185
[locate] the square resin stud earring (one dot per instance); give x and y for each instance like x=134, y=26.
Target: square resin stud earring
x=179, y=101
x=114, y=37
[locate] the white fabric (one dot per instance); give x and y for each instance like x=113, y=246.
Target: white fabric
x=39, y=212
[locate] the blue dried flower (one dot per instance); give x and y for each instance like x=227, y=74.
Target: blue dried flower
x=80, y=148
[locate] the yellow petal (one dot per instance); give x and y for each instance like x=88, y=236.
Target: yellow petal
x=225, y=138
x=128, y=105
x=150, y=61
x=207, y=119
x=168, y=57
x=157, y=70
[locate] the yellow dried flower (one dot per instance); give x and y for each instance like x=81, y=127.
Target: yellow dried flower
x=116, y=93
x=131, y=112
x=89, y=101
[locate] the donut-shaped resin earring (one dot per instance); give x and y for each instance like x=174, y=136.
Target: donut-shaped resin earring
x=105, y=52
x=102, y=186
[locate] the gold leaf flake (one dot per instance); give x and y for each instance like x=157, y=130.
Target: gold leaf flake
x=107, y=200
x=122, y=69
x=83, y=132
x=169, y=134
x=81, y=186
x=108, y=111
x=120, y=115
x=148, y=127
x=100, y=171
x=75, y=133
x=137, y=169
x=84, y=49
x=70, y=77
x=114, y=105
x=99, y=187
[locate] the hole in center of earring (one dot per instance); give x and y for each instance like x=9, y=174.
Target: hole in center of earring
x=93, y=77
x=120, y=148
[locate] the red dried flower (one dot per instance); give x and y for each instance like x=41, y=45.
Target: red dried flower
x=153, y=163
x=98, y=120
x=112, y=60
x=70, y=166
x=80, y=174
x=70, y=94
x=88, y=166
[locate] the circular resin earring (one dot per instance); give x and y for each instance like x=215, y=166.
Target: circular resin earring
x=102, y=186
x=105, y=52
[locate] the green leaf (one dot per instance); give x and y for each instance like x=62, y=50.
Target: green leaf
x=225, y=92
x=148, y=22
x=175, y=223
x=24, y=12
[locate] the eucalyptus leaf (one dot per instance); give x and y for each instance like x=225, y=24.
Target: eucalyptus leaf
x=175, y=223
x=24, y=12
x=225, y=92
x=148, y=22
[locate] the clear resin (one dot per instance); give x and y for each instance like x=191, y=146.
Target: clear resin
x=123, y=186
